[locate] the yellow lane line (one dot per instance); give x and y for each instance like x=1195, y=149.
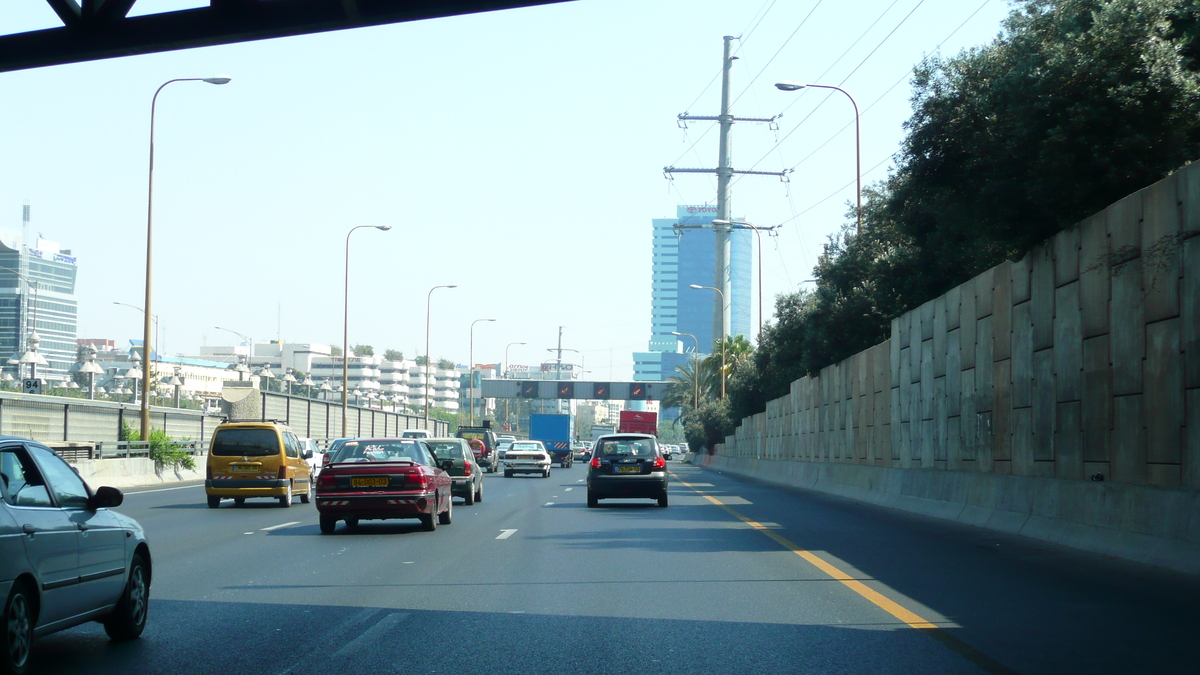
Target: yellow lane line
x=985, y=662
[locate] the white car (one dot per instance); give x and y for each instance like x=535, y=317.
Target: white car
x=502, y=446
x=416, y=433
x=527, y=457
x=314, y=462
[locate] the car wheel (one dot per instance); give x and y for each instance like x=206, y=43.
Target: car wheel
x=286, y=500
x=469, y=498
x=307, y=496
x=328, y=524
x=508, y=474
x=18, y=621
x=239, y=501
x=593, y=501
x=128, y=620
x=429, y=521
x=479, y=492
x=662, y=500
x=351, y=523
x=214, y=502
x=445, y=517
x=547, y=474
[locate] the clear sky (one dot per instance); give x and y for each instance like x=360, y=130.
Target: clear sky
x=517, y=154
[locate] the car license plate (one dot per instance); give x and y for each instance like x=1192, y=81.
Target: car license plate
x=239, y=467
x=629, y=469
x=381, y=481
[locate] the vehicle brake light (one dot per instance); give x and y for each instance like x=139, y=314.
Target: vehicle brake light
x=282, y=472
x=595, y=463
x=325, y=460
x=417, y=478
x=326, y=480
x=660, y=463
x=208, y=472
x=466, y=468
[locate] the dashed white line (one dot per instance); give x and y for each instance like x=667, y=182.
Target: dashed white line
x=247, y=533
x=568, y=489
x=276, y=527
x=505, y=534
x=549, y=504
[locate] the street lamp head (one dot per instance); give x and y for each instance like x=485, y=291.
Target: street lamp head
x=217, y=79
x=677, y=333
x=697, y=287
x=385, y=228
x=789, y=86
x=451, y=286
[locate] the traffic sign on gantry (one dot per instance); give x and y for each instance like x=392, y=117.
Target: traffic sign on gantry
x=558, y=389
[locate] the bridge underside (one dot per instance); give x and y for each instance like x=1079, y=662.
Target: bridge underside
x=101, y=29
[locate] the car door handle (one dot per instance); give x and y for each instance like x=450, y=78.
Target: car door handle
x=82, y=526
x=28, y=529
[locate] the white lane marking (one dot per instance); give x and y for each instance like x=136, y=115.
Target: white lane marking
x=409, y=562
x=579, y=481
x=276, y=527
x=247, y=533
x=145, y=492
x=369, y=635
x=505, y=534
x=549, y=504
x=568, y=489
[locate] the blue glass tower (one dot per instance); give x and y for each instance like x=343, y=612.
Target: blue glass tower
x=682, y=258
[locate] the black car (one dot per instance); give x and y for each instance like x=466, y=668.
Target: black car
x=626, y=466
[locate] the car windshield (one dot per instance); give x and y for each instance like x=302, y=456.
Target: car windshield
x=626, y=447
x=446, y=449
x=245, y=443
x=534, y=447
x=379, y=451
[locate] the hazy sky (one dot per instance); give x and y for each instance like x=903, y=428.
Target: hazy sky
x=517, y=154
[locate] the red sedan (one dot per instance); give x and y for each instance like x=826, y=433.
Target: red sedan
x=382, y=478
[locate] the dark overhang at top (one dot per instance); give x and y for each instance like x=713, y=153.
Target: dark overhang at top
x=101, y=29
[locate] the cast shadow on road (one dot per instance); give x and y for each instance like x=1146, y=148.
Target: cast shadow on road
x=280, y=638
x=665, y=540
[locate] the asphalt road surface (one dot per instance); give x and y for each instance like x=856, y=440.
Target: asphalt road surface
x=734, y=576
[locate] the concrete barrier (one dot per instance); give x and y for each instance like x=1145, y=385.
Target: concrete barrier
x=1149, y=525
x=135, y=472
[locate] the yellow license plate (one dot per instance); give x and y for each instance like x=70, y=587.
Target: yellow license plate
x=242, y=468
x=369, y=482
x=629, y=469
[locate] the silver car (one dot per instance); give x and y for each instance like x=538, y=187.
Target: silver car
x=65, y=558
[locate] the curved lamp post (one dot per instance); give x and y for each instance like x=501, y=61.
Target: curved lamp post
x=796, y=86
x=695, y=368
x=428, y=300
x=346, y=323
x=710, y=288
x=471, y=368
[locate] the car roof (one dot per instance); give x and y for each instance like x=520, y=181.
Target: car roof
x=605, y=436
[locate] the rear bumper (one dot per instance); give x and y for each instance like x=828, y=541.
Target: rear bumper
x=650, y=485
x=462, y=485
x=527, y=467
x=376, y=506
x=240, y=487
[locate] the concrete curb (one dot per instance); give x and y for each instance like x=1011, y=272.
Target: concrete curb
x=1155, y=526
x=135, y=472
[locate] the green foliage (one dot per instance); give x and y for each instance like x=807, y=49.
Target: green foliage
x=422, y=360
x=363, y=350
x=167, y=454
x=335, y=350
x=708, y=425
x=446, y=364
x=393, y=355
x=128, y=432
x=1074, y=105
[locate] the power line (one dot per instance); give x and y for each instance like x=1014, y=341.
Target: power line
x=785, y=43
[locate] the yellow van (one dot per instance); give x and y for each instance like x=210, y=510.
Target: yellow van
x=257, y=459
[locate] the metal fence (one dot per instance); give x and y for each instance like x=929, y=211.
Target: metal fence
x=59, y=420
x=322, y=420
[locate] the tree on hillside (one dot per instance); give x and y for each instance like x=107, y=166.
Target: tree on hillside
x=1076, y=104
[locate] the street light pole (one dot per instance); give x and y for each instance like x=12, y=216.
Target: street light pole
x=146, y=374
x=471, y=368
x=796, y=86
x=695, y=368
x=710, y=288
x=346, y=325
x=156, y=354
x=507, y=421
x=428, y=301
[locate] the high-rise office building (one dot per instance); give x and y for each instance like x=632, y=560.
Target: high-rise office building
x=37, y=291
x=683, y=257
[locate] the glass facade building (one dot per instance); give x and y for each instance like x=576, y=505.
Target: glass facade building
x=37, y=290
x=681, y=258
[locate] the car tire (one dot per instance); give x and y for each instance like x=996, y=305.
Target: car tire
x=308, y=494
x=479, y=492
x=352, y=523
x=328, y=524
x=286, y=500
x=593, y=501
x=429, y=521
x=508, y=474
x=128, y=619
x=662, y=500
x=546, y=473
x=447, y=516
x=19, y=619
x=469, y=498
x=214, y=502
x=239, y=501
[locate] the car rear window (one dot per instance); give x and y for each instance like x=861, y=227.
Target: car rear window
x=626, y=447
x=526, y=447
x=245, y=443
x=380, y=451
x=446, y=449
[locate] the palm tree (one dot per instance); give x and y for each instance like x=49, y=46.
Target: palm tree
x=681, y=390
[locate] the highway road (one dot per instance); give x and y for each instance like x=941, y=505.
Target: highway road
x=735, y=576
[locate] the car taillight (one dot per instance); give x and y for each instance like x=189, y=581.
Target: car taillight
x=595, y=463
x=325, y=460
x=466, y=468
x=282, y=472
x=208, y=472
x=419, y=479
x=660, y=463
x=325, y=480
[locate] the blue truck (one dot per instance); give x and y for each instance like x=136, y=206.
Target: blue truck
x=554, y=431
